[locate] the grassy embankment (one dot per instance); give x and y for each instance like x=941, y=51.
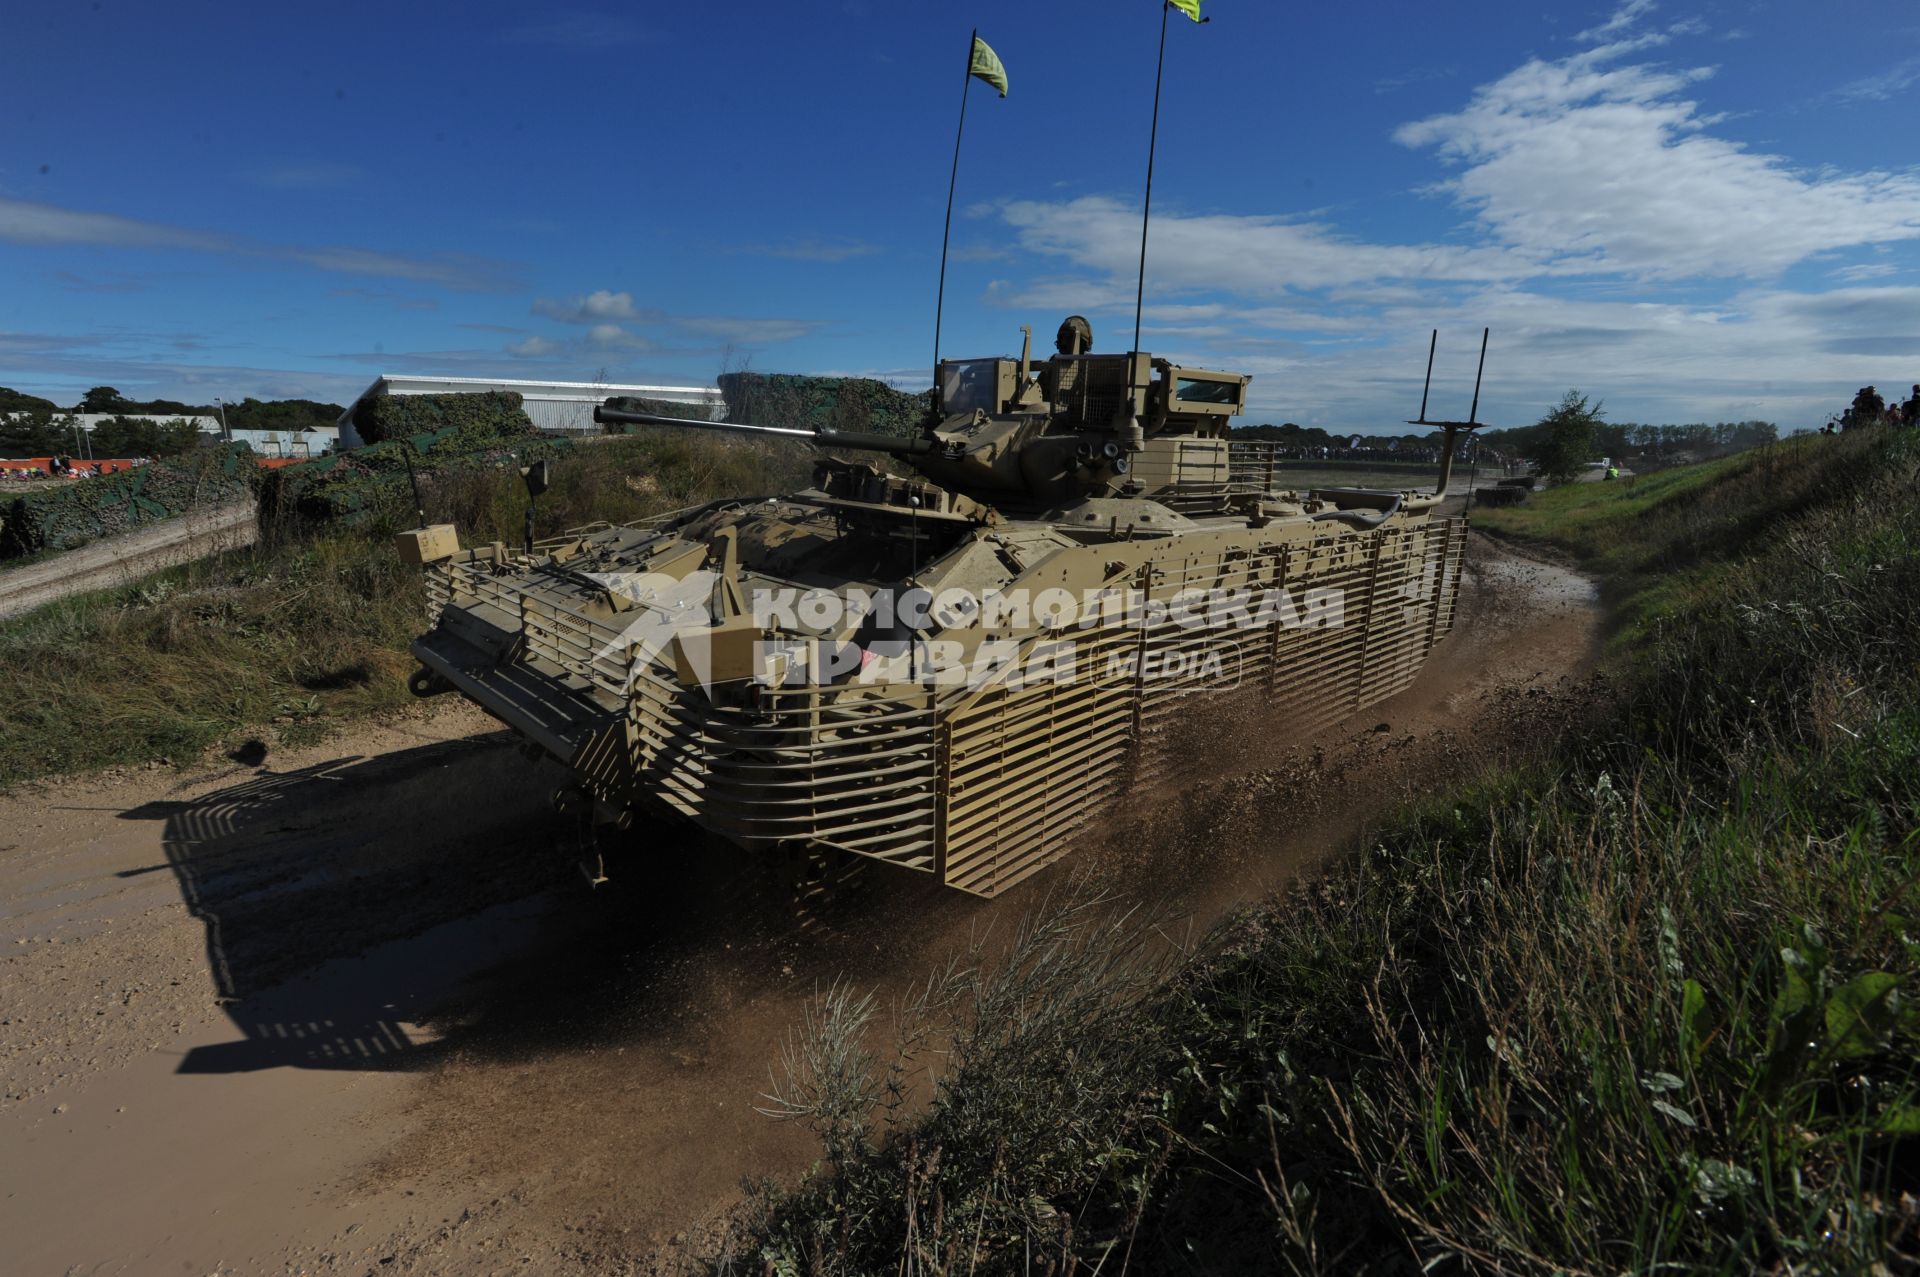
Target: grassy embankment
x=1652, y=539
x=1649, y=1005
x=308, y=629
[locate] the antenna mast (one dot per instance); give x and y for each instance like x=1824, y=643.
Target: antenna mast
x=946, y=236
x=1192, y=10
x=1454, y=428
x=1153, y=140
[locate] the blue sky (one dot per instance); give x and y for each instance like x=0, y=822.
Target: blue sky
x=1695, y=211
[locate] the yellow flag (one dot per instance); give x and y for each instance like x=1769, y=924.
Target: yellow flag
x=987, y=65
x=1189, y=7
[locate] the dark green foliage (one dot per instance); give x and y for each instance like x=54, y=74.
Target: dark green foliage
x=88, y=509
x=1649, y=445
x=12, y=400
x=485, y=418
x=143, y=437
x=107, y=399
x=1650, y=1005
x=821, y=403
x=281, y=414
x=1565, y=443
x=36, y=433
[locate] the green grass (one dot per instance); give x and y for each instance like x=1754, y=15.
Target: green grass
x=1646, y=1005
x=1655, y=539
x=308, y=630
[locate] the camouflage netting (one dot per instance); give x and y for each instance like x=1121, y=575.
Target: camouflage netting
x=485, y=418
x=813, y=403
x=352, y=487
x=88, y=509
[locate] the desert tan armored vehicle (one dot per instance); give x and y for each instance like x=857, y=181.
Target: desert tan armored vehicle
x=955, y=671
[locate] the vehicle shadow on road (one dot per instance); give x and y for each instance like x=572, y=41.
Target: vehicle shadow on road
x=317, y=885
x=379, y=913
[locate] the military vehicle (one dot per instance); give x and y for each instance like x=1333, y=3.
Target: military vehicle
x=958, y=669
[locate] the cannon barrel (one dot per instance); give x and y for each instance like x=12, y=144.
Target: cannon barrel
x=606, y=414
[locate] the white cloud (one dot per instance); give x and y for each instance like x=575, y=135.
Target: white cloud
x=532, y=348
x=1603, y=169
x=1595, y=186
x=596, y=307
x=27, y=222
x=747, y=332
x=1890, y=83
x=1237, y=253
x=1622, y=18
x=1767, y=354
x=599, y=310
x=614, y=337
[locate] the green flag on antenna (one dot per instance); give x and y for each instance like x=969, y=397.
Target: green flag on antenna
x=987, y=64
x=1189, y=7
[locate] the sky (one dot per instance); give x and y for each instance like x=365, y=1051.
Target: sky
x=1692, y=210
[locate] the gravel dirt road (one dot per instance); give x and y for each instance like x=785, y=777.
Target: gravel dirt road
x=354, y=1010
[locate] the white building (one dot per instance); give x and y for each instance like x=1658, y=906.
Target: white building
x=313, y=442
x=550, y=405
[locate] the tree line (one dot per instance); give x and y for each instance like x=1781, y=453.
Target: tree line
x=1617, y=439
x=31, y=426
x=1561, y=444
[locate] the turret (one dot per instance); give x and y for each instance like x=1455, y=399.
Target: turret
x=1010, y=433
